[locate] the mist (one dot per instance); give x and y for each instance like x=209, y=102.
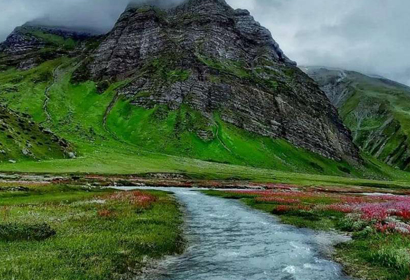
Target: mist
x=369, y=36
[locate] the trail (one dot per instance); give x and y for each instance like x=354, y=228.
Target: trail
x=47, y=94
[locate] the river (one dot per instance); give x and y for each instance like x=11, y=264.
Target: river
x=228, y=240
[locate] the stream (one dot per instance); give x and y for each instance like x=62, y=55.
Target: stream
x=228, y=240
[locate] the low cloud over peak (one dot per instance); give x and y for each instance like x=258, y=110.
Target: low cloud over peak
x=365, y=35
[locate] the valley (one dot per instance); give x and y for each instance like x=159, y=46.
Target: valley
x=184, y=144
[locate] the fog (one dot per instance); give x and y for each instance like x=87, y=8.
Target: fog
x=370, y=36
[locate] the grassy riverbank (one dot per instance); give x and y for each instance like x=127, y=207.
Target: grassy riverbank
x=67, y=232
x=379, y=225
x=108, y=160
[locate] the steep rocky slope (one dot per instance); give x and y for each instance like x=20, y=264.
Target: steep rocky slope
x=27, y=47
x=30, y=45
x=375, y=109
x=21, y=138
x=201, y=80
x=221, y=63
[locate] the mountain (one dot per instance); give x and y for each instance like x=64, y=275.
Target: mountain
x=374, y=108
x=200, y=80
x=217, y=61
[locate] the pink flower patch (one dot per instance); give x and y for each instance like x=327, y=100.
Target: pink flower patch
x=277, y=199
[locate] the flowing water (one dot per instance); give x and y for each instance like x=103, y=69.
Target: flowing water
x=228, y=240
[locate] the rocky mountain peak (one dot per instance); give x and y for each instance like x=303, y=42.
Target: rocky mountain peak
x=205, y=55
x=219, y=62
x=212, y=6
x=196, y=26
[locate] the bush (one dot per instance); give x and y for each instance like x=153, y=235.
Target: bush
x=105, y=213
x=352, y=224
x=24, y=232
x=396, y=258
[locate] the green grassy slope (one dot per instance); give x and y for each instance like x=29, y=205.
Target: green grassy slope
x=22, y=139
x=375, y=109
x=111, y=135
x=116, y=158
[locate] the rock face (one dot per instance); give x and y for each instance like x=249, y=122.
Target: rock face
x=374, y=108
x=218, y=60
x=30, y=45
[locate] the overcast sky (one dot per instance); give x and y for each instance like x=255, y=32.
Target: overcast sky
x=371, y=36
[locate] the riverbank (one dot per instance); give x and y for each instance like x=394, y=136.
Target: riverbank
x=378, y=250
x=228, y=240
x=379, y=224
x=193, y=181
x=69, y=232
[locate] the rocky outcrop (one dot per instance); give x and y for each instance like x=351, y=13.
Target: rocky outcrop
x=218, y=60
x=22, y=139
x=30, y=45
x=209, y=27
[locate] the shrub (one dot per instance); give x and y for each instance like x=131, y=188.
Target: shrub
x=352, y=224
x=25, y=232
x=398, y=258
x=105, y=213
x=5, y=213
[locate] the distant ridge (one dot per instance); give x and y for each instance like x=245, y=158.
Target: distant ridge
x=374, y=108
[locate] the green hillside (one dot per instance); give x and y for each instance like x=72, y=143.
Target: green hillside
x=375, y=109
x=109, y=134
x=106, y=130
x=21, y=139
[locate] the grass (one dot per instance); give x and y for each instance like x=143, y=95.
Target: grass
x=48, y=38
x=176, y=133
x=20, y=138
x=67, y=232
x=378, y=251
x=110, y=136
x=387, y=258
x=54, y=39
x=117, y=158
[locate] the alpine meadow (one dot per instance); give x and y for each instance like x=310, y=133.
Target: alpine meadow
x=183, y=143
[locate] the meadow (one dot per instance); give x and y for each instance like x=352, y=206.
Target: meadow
x=71, y=232
x=379, y=223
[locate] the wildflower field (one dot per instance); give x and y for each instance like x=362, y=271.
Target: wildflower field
x=378, y=222
x=71, y=232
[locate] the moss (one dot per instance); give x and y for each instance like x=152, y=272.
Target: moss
x=143, y=94
x=54, y=40
x=236, y=68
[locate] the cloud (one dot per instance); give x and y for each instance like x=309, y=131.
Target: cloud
x=370, y=36
x=365, y=35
